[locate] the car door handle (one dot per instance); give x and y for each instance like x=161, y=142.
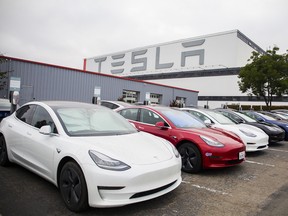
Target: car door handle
x=28, y=133
x=141, y=127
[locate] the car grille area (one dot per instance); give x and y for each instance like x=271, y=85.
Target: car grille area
x=149, y=192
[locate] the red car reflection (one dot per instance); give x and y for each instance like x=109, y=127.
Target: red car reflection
x=199, y=146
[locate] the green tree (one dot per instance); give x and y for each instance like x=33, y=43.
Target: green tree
x=266, y=76
x=3, y=74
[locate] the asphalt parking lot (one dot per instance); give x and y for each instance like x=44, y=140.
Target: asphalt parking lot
x=259, y=186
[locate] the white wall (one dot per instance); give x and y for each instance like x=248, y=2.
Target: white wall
x=219, y=50
x=207, y=86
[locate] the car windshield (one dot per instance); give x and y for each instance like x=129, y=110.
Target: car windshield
x=267, y=116
x=247, y=118
x=93, y=122
x=183, y=119
x=220, y=118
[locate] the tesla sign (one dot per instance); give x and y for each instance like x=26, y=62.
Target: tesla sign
x=147, y=59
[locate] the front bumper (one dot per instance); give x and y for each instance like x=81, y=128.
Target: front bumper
x=218, y=159
x=140, y=183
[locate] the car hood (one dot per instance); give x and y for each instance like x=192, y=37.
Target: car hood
x=260, y=134
x=223, y=136
x=138, y=148
x=266, y=126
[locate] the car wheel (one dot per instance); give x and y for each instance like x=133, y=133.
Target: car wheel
x=4, y=161
x=73, y=187
x=191, y=158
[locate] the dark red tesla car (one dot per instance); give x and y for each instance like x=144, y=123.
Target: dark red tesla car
x=199, y=146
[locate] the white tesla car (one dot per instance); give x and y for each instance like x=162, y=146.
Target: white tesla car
x=254, y=138
x=92, y=154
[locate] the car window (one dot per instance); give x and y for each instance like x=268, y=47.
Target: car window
x=130, y=113
x=183, y=119
x=199, y=115
x=262, y=115
x=109, y=105
x=41, y=117
x=150, y=117
x=246, y=117
x=231, y=116
x=220, y=118
x=25, y=113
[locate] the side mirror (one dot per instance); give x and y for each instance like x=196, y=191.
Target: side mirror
x=46, y=130
x=208, y=122
x=133, y=124
x=161, y=125
x=240, y=121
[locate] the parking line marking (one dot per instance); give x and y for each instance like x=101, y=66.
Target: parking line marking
x=277, y=150
x=263, y=164
x=208, y=189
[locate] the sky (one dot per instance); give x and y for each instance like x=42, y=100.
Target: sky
x=64, y=32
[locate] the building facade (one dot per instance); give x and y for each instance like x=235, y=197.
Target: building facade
x=209, y=63
x=40, y=81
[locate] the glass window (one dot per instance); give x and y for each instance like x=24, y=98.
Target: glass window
x=130, y=114
x=183, y=119
x=109, y=105
x=219, y=117
x=199, y=115
x=130, y=96
x=155, y=98
x=247, y=118
x=41, y=117
x=25, y=113
x=149, y=117
x=93, y=122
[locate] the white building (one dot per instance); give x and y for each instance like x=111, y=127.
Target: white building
x=209, y=64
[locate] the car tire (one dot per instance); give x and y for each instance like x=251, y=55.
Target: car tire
x=73, y=187
x=4, y=160
x=191, y=157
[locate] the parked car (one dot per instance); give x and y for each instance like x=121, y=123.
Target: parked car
x=265, y=118
x=276, y=115
x=200, y=147
x=254, y=138
x=114, y=105
x=5, y=108
x=92, y=154
x=280, y=110
x=275, y=133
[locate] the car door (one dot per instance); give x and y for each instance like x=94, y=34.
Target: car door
x=147, y=120
x=34, y=149
x=17, y=135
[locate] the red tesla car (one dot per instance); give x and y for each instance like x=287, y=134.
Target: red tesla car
x=199, y=146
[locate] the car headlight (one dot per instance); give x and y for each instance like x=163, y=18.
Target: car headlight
x=173, y=148
x=211, y=142
x=247, y=133
x=106, y=162
x=175, y=151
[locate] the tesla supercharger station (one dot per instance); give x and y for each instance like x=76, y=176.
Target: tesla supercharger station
x=96, y=97
x=14, y=92
x=147, y=98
